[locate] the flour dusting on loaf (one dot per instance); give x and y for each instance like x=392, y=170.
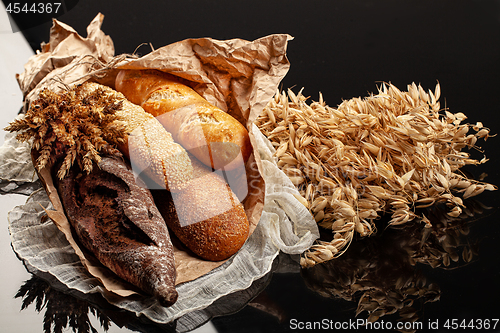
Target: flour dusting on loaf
x=119, y=223
x=206, y=216
x=150, y=148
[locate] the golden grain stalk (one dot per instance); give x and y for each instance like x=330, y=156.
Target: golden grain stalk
x=72, y=126
x=388, y=153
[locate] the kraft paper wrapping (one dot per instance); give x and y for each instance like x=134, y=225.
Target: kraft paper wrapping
x=236, y=75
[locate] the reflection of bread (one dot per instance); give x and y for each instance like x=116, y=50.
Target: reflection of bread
x=212, y=135
x=150, y=147
x=206, y=216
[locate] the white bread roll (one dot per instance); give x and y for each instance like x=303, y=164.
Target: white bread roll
x=212, y=135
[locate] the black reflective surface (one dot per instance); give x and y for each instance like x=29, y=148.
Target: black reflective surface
x=407, y=275
x=400, y=275
x=342, y=49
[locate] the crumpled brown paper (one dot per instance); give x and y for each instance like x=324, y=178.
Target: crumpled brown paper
x=236, y=75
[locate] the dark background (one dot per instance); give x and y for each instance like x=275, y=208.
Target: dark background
x=344, y=49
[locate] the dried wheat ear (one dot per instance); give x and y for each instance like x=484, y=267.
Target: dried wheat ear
x=74, y=125
x=388, y=153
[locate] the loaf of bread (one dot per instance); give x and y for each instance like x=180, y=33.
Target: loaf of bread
x=210, y=220
x=149, y=147
x=118, y=222
x=206, y=216
x=212, y=135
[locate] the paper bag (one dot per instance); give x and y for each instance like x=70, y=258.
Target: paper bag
x=236, y=75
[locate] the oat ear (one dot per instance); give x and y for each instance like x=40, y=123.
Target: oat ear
x=387, y=153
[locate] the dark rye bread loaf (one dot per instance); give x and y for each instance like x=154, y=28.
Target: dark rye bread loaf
x=118, y=222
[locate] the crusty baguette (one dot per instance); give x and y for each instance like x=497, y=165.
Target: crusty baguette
x=118, y=222
x=210, y=219
x=212, y=135
x=150, y=147
x=206, y=216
